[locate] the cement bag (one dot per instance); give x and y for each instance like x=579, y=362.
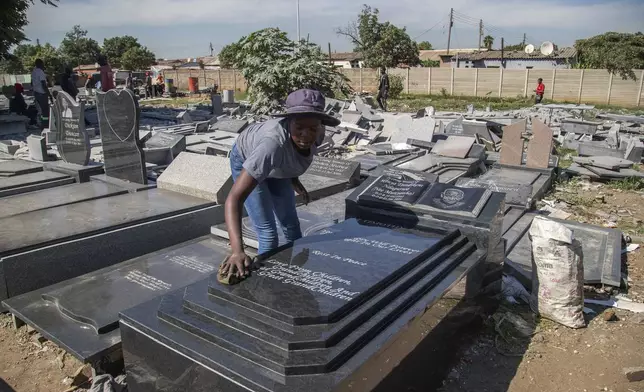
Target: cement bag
x=557, y=273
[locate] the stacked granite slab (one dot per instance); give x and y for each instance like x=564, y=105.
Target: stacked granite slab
x=307, y=319
x=449, y=169
x=328, y=176
x=603, y=168
x=369, y=162
x=601, y=248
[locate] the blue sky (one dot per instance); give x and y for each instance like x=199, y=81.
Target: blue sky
x=184, y=28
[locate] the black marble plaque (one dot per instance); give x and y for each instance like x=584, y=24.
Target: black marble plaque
x=393, y=190
x=71, y=139
x=322, y=277
x=334, y=168
x=449, y=198
x=118, y=116
x=403, y=173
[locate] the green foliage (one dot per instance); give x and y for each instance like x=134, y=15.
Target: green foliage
x=137, y=58
x=628, y=184
x=510, y=48
x=396, y=86
x=430, y=63
x=229, y=53
x=381, y=44
x=13, y=17
x=77, y=49
x=425, y=45
x=488, y=41
x=114, y=48
x=24, y=56
x=274, y=66
x=619, y=53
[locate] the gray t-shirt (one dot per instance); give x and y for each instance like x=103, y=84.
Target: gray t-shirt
x=268, y=152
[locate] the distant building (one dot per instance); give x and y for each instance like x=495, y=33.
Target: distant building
x=442, y=56
x=563, y=58
x=347, y=60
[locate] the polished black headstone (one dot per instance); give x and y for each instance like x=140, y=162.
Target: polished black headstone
x=118, y=116
x=461, y=201
x=455, y=127
x=335, y=168
x=72, y=140
x=230, y=125
x=393, y=190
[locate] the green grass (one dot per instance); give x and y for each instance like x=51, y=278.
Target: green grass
x=562, y=153
x=627, y=184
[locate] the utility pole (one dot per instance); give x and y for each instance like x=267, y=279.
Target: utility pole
x=524, y=37
x=298, y=20
x=502, y=52
x=451, y=23
x=330, y=61
x=480, y=32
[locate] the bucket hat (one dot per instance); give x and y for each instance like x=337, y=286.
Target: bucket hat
x=308, y=102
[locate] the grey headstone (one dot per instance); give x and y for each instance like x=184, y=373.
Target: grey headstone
x=184, y=117
x=118, y=115
x=455, y=127
x=168, y=145
x=471, y=128
x=419, y=129
x=217, y=104
x=580, y=126
x=613, y=136
x=72, y=140
x=454, y=146
x=204, y=176
x=634, y=151
x=8, y=147
x=230, y=125
x=38, y=148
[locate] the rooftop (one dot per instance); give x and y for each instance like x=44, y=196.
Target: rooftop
x=561, y=53
x=346, y=56
x=436, y=54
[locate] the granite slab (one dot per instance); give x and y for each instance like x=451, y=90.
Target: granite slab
x=32, y=182
x=454, y=146
x=516, y=194
x=512, y=143
x=81, y=314
x=580, y=126
x=369, y=162
x=540, y=146
x=51, y=245
x=279, y=322
x=18, y=167
x=79, y=173
x=205, y=176
x=58, y=196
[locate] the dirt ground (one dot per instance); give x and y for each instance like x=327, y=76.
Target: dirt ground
x=493, y=358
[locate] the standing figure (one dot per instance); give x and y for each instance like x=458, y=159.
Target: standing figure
x=107, y=76
x=67, y=83
x=148, y=86
x=383, y=89
x=129, y=82
x=541, y=89
x=19, y=106
x=41, y=91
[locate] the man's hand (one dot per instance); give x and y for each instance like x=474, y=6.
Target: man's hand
x=299, y=188
x=237, y=264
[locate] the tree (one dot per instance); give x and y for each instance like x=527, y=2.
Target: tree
x=425, y=45
x=22, y=60
x=77, y=49
x=488, y=41
x=229, y=53
x=274, y=66
x=137, y=58
x=13, y=17
x=510, y=48
x=381, y=44
x=619, y=53
x=115, y=47
x=430, y=63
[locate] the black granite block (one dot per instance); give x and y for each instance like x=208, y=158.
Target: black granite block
x=81, y=314
x=459, y=201
x=79, y=173
x=31, y=182
x=335, y=168
x=306, y=320
x=58, y=196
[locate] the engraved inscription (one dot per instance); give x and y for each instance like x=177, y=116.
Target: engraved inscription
x=147, y=281
x=192, y=263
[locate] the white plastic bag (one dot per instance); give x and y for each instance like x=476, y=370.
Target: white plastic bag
x=557, y=273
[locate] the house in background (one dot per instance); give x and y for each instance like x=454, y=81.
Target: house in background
x=347, y=60
x=563, y=58
x=442, y=56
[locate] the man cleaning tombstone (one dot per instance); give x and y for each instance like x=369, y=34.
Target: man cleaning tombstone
x=266, y=161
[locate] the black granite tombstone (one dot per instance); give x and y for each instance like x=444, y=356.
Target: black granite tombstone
x=162, y=148
x=72, y=140
x=307, y=319
x=455, y=127
x=335, y=168
x=118, y=116
x=393, y=190
x=460, y=201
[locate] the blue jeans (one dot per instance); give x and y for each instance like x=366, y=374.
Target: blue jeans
x=272, y=198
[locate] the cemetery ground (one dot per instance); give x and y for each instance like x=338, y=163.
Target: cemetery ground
x=491, y=354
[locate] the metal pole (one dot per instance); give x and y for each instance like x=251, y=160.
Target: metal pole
x=298, y=20
x=502, y=52
x=480, y=32
x=451, y=23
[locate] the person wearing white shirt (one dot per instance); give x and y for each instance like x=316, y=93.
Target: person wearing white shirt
x=41, y=91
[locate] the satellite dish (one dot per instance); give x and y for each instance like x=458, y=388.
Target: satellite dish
x=529, y=49
x=547, y=48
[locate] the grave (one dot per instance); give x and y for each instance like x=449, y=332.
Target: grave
x=595, y=148
x=634, y=151
x=455, y=127
x=31, y=182
x=601, y=249
x=418, y=129
x=369, y=162
x=81, y=314
x=58, y=196
x=162, y=148
x=404, y=173
x=454, y=146
x=72, y=140
x=512, y=143
x=327, y=176
x=18, y=167
x=580, y=126
x=516, y=194
x=311, y=315
x=38, y=148
x=204, y=176
x=230, y=125
x=118, y=117
x=476, y=128
x=44, y=247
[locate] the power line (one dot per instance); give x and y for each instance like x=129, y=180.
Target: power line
x=429, y=29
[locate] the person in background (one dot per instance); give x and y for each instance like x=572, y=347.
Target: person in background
x=19, y=106
x=266, y=161
x=160, y=85
x=41, y=91
x=148, y=85
x=67, y=83
x=541, y=89
x=107, y=76
x=383, y=89
x=90, y=85
x=129, y=83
